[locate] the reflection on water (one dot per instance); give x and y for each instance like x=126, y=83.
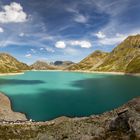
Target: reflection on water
x=47, y=95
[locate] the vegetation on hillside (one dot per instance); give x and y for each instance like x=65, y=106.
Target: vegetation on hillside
x=9, y=64
x=90, y=62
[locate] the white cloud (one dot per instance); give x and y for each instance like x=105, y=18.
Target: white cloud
x=112, y=40
x=33, y=50
x=41, y=49
x=49, y=50
x=60, y=44
x=28, y=55
x=21, y=34
x=100, y=35
x=72, y=10
x=12, y=13
x=71, y=51
x=46, y=37
x=82, y=43
x=80, y=18
x=1, y=30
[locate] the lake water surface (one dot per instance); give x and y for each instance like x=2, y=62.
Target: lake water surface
x=47, y=95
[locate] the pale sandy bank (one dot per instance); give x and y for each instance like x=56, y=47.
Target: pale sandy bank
x=100, y=72
x=6, y=74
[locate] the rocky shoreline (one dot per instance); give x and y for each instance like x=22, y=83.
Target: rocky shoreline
x=6, y=112
x=122, y=123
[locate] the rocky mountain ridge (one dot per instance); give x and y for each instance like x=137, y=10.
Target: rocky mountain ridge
x=9, y=64
x=90, y=62
x=57, y=65
x=42, y=65
x=123, y=58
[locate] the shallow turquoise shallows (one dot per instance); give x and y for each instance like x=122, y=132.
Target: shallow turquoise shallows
x=47, y=95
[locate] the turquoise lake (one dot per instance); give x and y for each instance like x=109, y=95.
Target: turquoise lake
x=50, y=94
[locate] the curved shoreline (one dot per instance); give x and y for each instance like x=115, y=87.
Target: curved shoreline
x=121, y=123
x=6, y=112
x=80, y=71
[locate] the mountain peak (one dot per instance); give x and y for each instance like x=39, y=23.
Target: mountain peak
x=90, y=62
x=132, y=41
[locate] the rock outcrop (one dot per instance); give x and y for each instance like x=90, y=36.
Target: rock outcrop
x=63, y=63
x=6, y=112
x=119, y=124
x=9, y=64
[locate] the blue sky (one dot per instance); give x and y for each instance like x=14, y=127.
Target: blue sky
x=53, y=30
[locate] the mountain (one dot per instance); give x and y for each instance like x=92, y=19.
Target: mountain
x=9, y=64
x=41, y=65
x=63, y=63
x=90, y=62
x=124, y=58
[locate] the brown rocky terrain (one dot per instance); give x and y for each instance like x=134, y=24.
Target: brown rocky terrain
x=119, y=124
x=57, y=65
x=41, y=65
x=6, y=112
x=63, y=64
x=9, y=64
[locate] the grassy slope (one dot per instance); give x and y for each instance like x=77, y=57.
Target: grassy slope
x=122, y=55
x=134, y=65
x=90, y=62
x=9, y=64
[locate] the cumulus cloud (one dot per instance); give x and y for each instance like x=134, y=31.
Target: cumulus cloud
x=60, y=44
x=1, y=30
x=82, y=44
x=28, y=55
x=12, y=13
x=100, y=34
